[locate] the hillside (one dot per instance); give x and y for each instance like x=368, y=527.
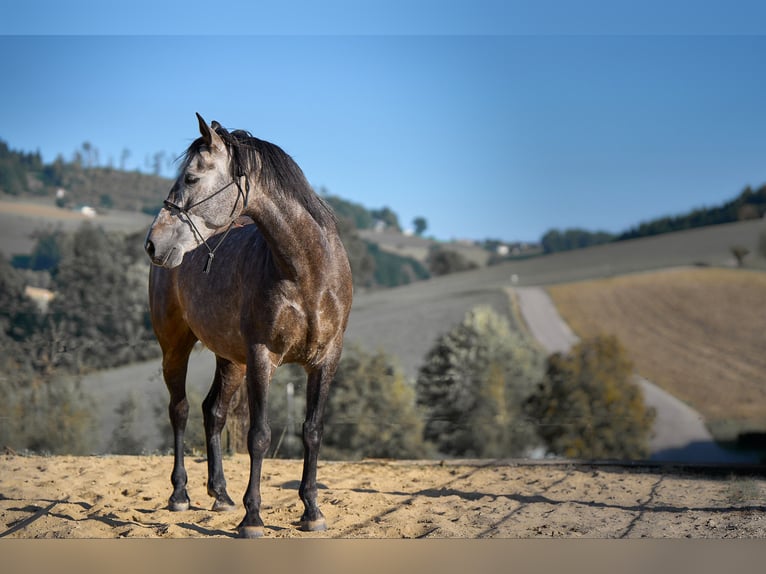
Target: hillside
x=406, y=320
x=20, y=220
x=698, y=333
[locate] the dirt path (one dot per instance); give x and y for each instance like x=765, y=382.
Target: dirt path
x=125, y=497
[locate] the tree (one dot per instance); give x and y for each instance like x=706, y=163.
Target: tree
x=361, y=261
x=100, y=312
x=473, y=386
x=357, y=214
x=445, y=261
x=47, y=251
x=194, y=436
x=555, y=240
x=386, y=216
x=420, y=224
x=588, y=407
x=391, y=269
x=739, y=252
x=55, y=416
x=124, y=155
x=370, y=412
x=19, y=317
x=125, y=436
x=157, y=161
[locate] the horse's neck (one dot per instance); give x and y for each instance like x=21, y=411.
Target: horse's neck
x=295, y=239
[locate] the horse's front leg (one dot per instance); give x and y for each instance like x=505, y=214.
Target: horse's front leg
x=174, y=365
x=318, y=388
x=228, y=378
x=259, y=371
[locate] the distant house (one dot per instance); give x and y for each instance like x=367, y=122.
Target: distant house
x=40, y=296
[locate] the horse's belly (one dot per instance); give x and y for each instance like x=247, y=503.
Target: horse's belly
x=225, y=341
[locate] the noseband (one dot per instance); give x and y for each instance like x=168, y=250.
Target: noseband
x=178, y=210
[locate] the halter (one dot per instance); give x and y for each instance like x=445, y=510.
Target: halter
x=177, y=210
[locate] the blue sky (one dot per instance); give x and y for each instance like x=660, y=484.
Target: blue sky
x=490, y=119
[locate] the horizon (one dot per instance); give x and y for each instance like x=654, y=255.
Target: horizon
x=404, y=229
x=487, y=131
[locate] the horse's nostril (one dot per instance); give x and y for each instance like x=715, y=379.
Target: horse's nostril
x=149, y=248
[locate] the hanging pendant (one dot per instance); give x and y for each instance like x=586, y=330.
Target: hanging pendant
x=209, y=262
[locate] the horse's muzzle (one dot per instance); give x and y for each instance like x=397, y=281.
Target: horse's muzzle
x=152, y=253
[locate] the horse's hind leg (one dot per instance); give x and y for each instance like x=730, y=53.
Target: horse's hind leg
x=316, y=397
x=260, y=368
x=228, y=378
x=174, y=365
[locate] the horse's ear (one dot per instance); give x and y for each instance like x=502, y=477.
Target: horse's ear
x=212, y=139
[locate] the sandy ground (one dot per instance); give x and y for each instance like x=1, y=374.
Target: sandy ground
x=125, y=497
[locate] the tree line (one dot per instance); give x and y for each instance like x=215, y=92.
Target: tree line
x=749, y=204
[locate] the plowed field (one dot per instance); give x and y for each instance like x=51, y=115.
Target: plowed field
x=698, y=333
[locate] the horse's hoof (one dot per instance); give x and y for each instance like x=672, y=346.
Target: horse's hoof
x=178, y=506
x=318, y=525
x=224, y=506
x=251, y=531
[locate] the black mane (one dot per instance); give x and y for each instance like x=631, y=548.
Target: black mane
x=277, y=172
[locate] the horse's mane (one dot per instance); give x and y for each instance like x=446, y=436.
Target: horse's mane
x=277, y=172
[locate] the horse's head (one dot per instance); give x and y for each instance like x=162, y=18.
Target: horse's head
x=206, y=197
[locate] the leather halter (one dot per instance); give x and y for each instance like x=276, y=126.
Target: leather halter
x=178, y=210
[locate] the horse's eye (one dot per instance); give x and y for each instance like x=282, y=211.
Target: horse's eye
x=189, y=179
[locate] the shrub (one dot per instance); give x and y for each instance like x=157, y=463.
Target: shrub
x=370, y=412
x=54, y=417
x=588, y=407
x=445, y=261
x=473, y=385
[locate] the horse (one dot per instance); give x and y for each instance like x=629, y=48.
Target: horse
x=258, y=296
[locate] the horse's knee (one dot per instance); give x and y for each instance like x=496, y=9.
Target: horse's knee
x=312, y=434
x=259, y=440
x=178, y=411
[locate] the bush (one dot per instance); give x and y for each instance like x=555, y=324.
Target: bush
x=588, y=407
x=370, y=412
x=445, y=261
x=129, y=435
x=54, y=417
x=473, y=385
x=100, y=313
